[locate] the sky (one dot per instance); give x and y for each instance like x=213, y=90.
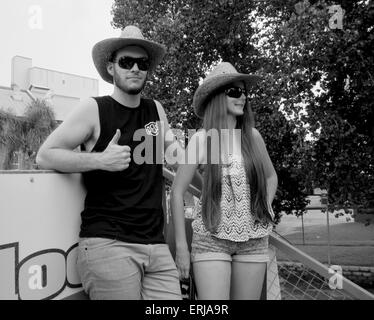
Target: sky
x=56, y=34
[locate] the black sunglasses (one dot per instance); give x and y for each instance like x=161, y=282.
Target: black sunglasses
x=128, y=63
x=235, y=92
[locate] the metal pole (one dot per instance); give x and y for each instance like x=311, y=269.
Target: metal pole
x=302, y=225
x=328, y=239
x=328, y=230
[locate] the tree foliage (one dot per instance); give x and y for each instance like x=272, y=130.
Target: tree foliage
x=340, y=117
x=315, y=138
x=24, y=135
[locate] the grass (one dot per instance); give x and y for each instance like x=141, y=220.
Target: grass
x=339, y=255
x=340, y=234
x=351, y=243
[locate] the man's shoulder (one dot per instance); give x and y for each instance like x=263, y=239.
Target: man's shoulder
x=87, y=105
x=149, y=100
x=90, y=101
x=98, y=99
x=154, y=105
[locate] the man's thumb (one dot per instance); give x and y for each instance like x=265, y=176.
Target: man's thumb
x=116, y=137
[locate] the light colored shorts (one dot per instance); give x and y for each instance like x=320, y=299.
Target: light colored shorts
x=115, y=270
x=207, y=247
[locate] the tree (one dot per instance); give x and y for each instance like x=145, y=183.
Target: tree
x=315, y=138
x=313, y=51
x=199, y=34
x=24, y=135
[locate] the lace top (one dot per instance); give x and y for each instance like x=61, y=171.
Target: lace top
x=237, y=222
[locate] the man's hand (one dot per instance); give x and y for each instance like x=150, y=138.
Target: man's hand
x=115, y=157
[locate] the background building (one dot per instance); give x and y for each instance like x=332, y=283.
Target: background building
x=62, y=90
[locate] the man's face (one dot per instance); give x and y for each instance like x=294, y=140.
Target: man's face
x=130, y=79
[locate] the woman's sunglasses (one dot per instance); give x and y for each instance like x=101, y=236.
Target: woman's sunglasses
x=128, y=63
x=235, y=92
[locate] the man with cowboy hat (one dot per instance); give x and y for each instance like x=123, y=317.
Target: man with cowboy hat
x=122, y=251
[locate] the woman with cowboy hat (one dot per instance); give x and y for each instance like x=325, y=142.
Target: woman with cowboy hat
x=234, y=215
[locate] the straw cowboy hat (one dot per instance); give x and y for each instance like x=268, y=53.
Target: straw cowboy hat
x=220, y=76
x=130, y=36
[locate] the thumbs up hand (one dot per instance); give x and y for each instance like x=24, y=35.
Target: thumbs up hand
x=116, y=137
x=115, y=157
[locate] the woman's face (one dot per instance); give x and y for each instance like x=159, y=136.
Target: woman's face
x=235, y=99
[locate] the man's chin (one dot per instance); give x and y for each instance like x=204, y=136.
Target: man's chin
x=133, y=91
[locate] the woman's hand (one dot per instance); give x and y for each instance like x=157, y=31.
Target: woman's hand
x=182, y=260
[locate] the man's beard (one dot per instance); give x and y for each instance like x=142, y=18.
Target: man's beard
x=120, y=84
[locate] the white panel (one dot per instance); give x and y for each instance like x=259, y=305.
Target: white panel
x=39, y=214
x=20, y=72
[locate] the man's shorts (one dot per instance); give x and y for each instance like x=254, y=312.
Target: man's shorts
x=207, y=247
x=116, y=270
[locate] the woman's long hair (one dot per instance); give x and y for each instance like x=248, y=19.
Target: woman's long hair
x=215, y=117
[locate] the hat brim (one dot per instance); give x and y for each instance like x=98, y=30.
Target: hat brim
x=103, y=50
x=212, y=85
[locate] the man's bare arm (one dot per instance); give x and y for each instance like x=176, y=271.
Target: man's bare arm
x=58, y=151
x=170, y=140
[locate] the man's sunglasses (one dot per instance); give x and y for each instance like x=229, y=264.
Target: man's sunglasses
x=128, y=63
x=235, y=92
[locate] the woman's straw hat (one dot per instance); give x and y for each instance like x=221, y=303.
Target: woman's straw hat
x=219, y=77
x=130, y=36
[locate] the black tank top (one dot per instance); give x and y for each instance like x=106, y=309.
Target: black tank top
x=125, y=205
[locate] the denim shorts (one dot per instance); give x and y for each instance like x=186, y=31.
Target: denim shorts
x=207, y=247
x=116, y=270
